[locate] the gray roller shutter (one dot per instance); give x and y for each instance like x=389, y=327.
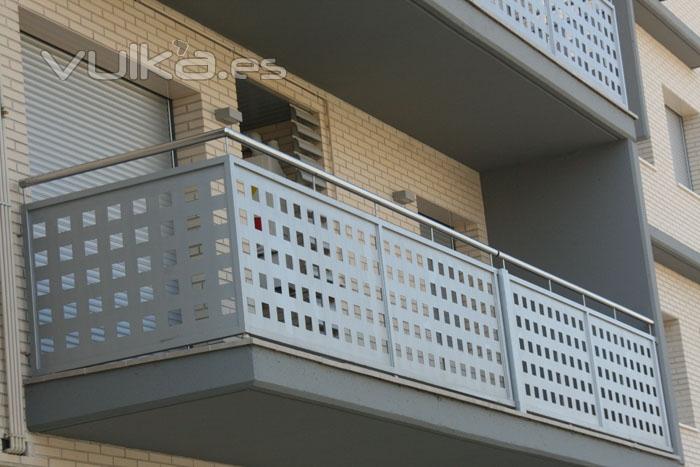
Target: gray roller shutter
x=82, y=119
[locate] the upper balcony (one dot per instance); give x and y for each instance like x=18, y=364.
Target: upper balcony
x=487, y=82
x=234, y=315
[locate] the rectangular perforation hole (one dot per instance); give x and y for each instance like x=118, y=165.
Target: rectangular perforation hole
x=141, y=234
x=143, y=264
x=196, y=250
x=39, y=230
x=91, y=247
x=165, y=200
x=63, y=224
x=114, y=212
x=139, y=206
x=217, y=187
x=191, y=194
x=116, y=241
x=220, y=216
x=226, y=276
x=148, y=323
x=228, y=306
x=123, y=329
x=89, y=218
x=198, y=281
x=223, y=246
x=92, y=276
x=201, y=311
x=169, y=258
x=193, y=222
x=175, y=317
x=65, y=252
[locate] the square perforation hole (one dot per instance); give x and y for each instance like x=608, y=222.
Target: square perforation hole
x=38, y=230
x=114, y=212
x=165, y=200
x=217, y=187
x=191, y=194
x=41, y=258
x=63, y=224
x=139, y=206
x=89, y=218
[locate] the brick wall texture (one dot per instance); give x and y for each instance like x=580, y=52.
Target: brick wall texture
x=357, y=147
x=675, y=210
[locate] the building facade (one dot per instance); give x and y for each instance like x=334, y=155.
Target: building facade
x=669, y=171
x=404, y=232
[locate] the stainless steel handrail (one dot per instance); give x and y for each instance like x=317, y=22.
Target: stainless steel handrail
x=317, y=172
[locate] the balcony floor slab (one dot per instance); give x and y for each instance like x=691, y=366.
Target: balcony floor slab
x=252, y=404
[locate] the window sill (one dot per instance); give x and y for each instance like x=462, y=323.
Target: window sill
x=648, y=164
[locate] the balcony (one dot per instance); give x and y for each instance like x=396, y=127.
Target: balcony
x=201, y=255
x=490, y=83
x=580, y=35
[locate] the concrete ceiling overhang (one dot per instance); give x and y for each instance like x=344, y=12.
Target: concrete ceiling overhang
x=434, y=69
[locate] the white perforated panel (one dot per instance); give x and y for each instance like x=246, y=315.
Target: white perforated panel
x=627, y=375
x=444, y=316
x=574, y=364
x=132, y=270
x=580, y=35
x=552, y=355
x=313, y=278
x=311, y=273
x=527, y=17
x=586, y=39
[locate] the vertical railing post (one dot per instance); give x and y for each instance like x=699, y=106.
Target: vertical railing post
x=507, y=323
x=231, y=204
x=385, y=295
x=550, y=26
x=662, y=396
x=594, y=373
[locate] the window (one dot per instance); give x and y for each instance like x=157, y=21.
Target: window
x=436, y=235
x=679, y=148
x=451, y=220
x=273, y=120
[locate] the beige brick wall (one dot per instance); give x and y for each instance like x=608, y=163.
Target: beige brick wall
x=675, y=210
x=357, y=147
x=667, y=80
x=679, y=298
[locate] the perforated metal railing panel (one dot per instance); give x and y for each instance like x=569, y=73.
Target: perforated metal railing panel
x=626, y=365
x=137, y=268
x=552, y=355
x=581, y=35
x=315, y=277
x=576, y=365
x=310, y=271
x=529, y=18
x=444, y=316
x=220, y=248
x=586, y=39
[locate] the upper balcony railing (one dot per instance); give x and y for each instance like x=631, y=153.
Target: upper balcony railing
x=580, y=35
x=223, y=247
